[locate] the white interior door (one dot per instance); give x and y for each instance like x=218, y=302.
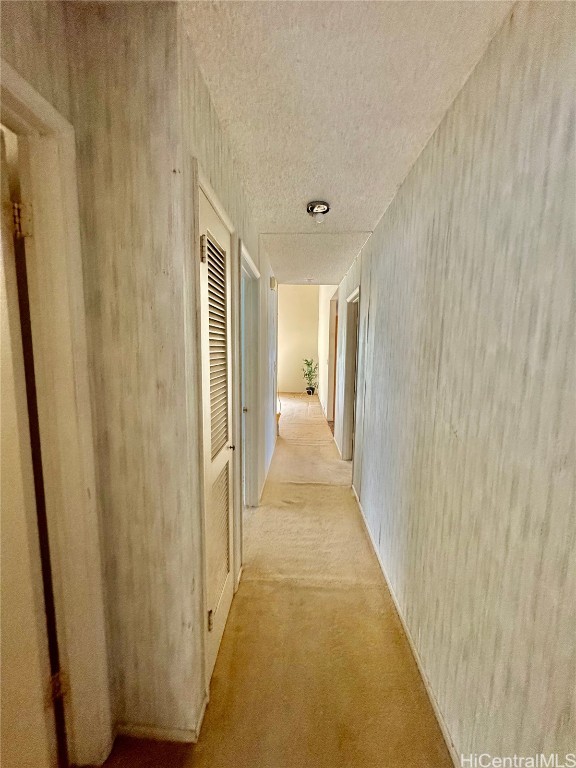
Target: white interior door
x=216, y=314
x=250, y=388
x=243, y=385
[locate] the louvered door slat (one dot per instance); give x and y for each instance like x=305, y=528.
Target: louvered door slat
x=217, y=333
x=216, y=297
x=219, y=392
x=216, y=267
x=219, y=556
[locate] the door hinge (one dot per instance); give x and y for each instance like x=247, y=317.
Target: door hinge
x=203, y=248
x=210, y=620
x=21, y=220
x=57, y=687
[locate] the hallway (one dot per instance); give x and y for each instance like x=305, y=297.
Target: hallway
x=206, y=204
x=314, y=670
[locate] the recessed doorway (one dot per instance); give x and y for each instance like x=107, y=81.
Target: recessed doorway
x=350, y=375
x=250, y=378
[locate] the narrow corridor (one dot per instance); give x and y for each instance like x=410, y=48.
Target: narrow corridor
x=206, y=204
x=314, y=669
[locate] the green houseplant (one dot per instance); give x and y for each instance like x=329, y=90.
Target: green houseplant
x=310, y=369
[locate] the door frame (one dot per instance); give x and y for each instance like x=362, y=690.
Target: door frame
x=350, y=374
x=235, y=382
x=332, y=357
x=26, y=666
x=58, y=316
x=251, y=368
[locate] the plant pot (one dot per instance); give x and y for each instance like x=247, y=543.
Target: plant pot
x=309, y=390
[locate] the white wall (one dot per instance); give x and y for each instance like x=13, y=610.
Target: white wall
x=138, y=146
x=467, y=443
x=324, y=342
x=134, y=175
x=297, y=334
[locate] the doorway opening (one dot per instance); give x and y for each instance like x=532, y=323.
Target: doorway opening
x=250, y=376
x=298, y=320
x=350, y=375
x=332, y=360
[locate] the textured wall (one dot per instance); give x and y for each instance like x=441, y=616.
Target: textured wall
x=208, y=143
x=125, y=75
x=467, y=475
x=125, y=103
x=141, y=247
x=34, y=43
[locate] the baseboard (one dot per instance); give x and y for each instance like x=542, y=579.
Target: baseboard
x=182, y=735
x=439, y=717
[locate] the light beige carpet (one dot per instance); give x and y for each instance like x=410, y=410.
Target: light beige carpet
x=305, y=449
x=314, y=670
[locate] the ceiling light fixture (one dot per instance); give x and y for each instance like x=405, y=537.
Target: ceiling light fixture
x=318, y=209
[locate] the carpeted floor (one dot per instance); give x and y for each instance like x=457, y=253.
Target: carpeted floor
x=314, y=670
x=305, y=449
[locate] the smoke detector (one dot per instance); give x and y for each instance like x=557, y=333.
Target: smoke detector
x=318, y=209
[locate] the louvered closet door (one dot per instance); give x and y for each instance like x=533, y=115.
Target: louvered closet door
x=217, y=400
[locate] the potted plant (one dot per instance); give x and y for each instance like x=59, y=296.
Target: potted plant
x=310, y=369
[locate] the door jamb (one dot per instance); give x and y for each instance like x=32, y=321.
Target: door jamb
x=332, y=357
x=59, y=333
x=248, y=264
x=350, y=353
x=210, y=193
x=252, y=362
x=354, y=297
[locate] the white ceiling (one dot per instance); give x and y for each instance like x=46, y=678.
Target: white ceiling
x=332, y=101
x=318, y=258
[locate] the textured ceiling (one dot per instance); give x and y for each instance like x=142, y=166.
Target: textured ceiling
x=321, y=258
x=334, y=101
